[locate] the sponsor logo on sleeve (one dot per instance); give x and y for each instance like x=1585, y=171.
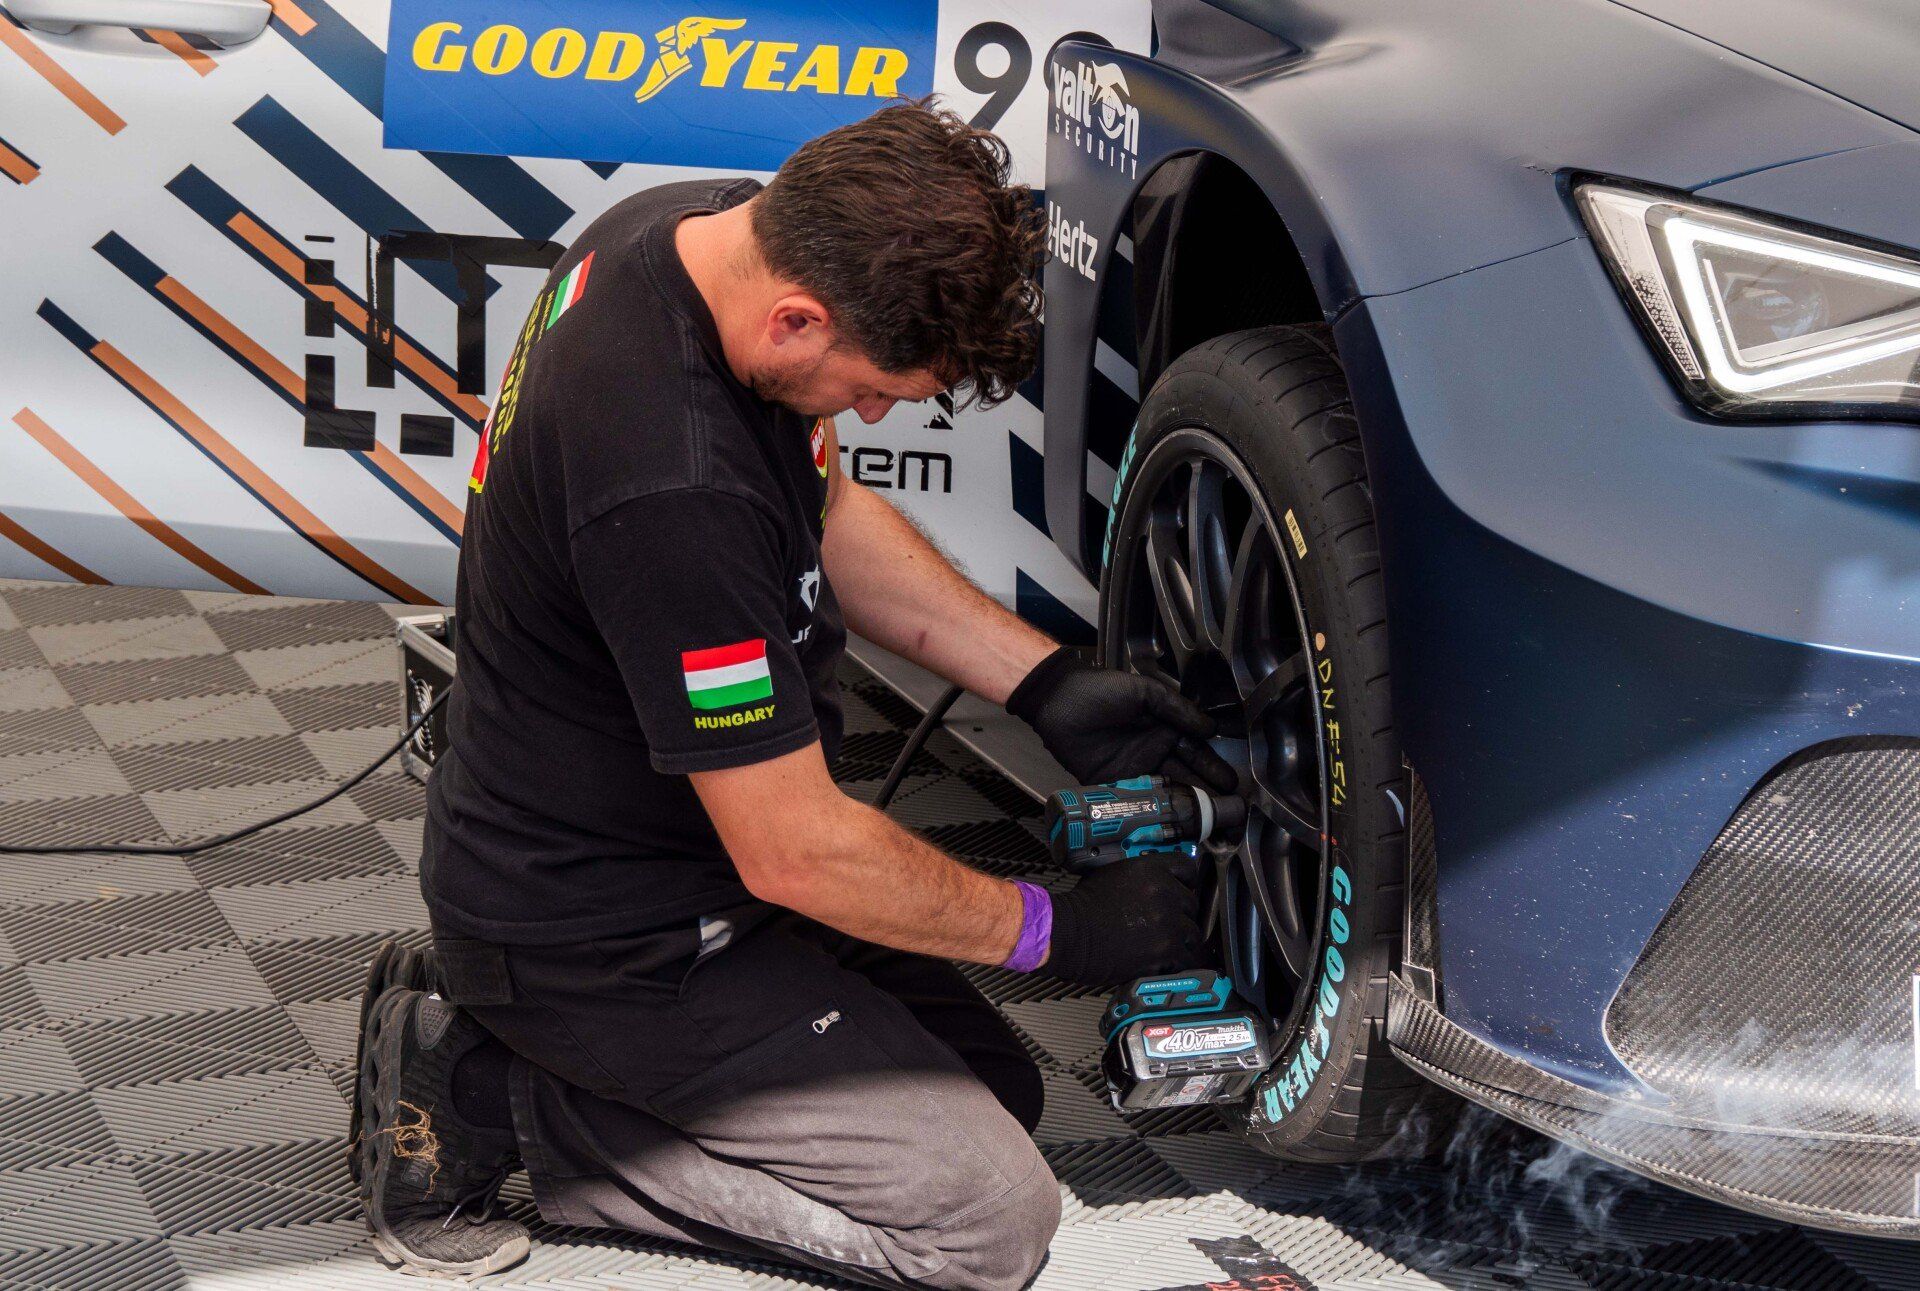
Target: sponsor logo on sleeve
x=808, y=586
x=569, y=290
x=639, y=80
x=729, y=685
x=507, y=401
x=548, y=306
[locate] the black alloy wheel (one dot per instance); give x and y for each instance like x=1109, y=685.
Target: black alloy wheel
x=1243, y=566
x=1204, y=601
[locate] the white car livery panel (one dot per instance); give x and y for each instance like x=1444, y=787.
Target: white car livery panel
x=257, y=298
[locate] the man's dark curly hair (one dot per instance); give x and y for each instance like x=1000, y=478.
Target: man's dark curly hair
x=905, y=227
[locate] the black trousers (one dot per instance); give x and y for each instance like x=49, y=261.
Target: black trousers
x=772, y=1088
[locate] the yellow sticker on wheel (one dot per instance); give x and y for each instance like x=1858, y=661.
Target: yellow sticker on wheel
x=1299, y=539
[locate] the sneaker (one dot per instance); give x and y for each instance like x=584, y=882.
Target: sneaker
x=429, y=1180
x=395, y=964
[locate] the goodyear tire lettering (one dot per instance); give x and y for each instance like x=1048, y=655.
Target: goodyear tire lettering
x=1285, y=1093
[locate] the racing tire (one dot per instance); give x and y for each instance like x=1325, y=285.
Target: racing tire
x=1241, y=564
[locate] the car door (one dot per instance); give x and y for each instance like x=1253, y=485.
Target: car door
x=259, y=287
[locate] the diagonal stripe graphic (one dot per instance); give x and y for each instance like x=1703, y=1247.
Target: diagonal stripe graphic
x=320, y=166
x=358, y=66
x=381, y=462
x=1048, y=612
x=16, y=165
x=296, y=19
x=176, y=44
x=1028, y=474
x=127, y=505
x=242, y=469
x=14, y=37
x=219, y=208
x=17, y=533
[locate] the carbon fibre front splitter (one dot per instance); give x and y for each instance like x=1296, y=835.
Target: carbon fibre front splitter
x=1849, y=1183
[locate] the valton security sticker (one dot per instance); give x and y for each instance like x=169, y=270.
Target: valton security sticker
x=736, y=85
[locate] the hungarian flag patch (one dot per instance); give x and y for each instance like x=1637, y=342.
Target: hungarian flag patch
x=570, y=289
x=726, y=676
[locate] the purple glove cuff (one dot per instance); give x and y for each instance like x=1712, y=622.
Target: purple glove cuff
x=1036, y=929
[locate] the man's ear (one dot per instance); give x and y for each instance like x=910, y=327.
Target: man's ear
x=800, y=319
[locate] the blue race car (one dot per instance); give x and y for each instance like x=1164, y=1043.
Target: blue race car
x=1525, y=473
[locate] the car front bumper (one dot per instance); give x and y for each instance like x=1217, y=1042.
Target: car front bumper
x=1773, y=1074
x=1613, y=618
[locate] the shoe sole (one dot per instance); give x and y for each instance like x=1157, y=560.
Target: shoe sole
x=505, y=1258
x=383, y=1036
x=393, y=965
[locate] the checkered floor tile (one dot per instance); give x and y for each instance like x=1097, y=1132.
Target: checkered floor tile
x=176, y=1033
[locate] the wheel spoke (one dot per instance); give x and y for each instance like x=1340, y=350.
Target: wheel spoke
x=1248, y=563
x=1207, y=561
x=1205, y=601
x=1279, y=911
x=1250, y=938
x=1292, y=938
x=1172, y=588
x=1217, y=899
x=1287, y=817
x=1277, y=686
x=1145, y=658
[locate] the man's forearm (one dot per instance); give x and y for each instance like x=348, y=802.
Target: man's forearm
x=798, y=841
x=882, y=883
x=899, y=592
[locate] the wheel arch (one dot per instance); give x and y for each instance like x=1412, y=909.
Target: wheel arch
x=1188, y=285
x=1223, y=191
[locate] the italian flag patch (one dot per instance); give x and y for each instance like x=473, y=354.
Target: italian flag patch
x=571, y=288
x=725, y=676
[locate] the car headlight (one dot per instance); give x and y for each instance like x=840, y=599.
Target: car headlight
x=1758, y=318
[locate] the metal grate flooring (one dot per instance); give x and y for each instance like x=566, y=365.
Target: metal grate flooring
x=176, y=1033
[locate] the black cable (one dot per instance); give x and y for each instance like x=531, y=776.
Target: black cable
x=221, y=840
x=914, y=743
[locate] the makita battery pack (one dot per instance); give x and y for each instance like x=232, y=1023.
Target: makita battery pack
x=1180, y=1040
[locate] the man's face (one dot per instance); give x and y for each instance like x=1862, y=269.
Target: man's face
x=800, y=366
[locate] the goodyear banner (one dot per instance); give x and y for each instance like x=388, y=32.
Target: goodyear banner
x=736, y=85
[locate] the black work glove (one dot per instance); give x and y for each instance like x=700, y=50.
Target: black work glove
x=1104, y=724
x=1129, y=919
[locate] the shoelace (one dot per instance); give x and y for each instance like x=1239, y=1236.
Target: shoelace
x=485, y=1197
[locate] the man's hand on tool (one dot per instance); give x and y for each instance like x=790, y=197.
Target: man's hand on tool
x=1129, y=919
x=799, y=842
x=900, y=593
x=1104, y=724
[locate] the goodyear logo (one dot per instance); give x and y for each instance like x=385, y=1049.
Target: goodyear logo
x=692, y=43
x=619, y=80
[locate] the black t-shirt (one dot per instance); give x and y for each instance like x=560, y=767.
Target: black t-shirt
x=640, y=596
